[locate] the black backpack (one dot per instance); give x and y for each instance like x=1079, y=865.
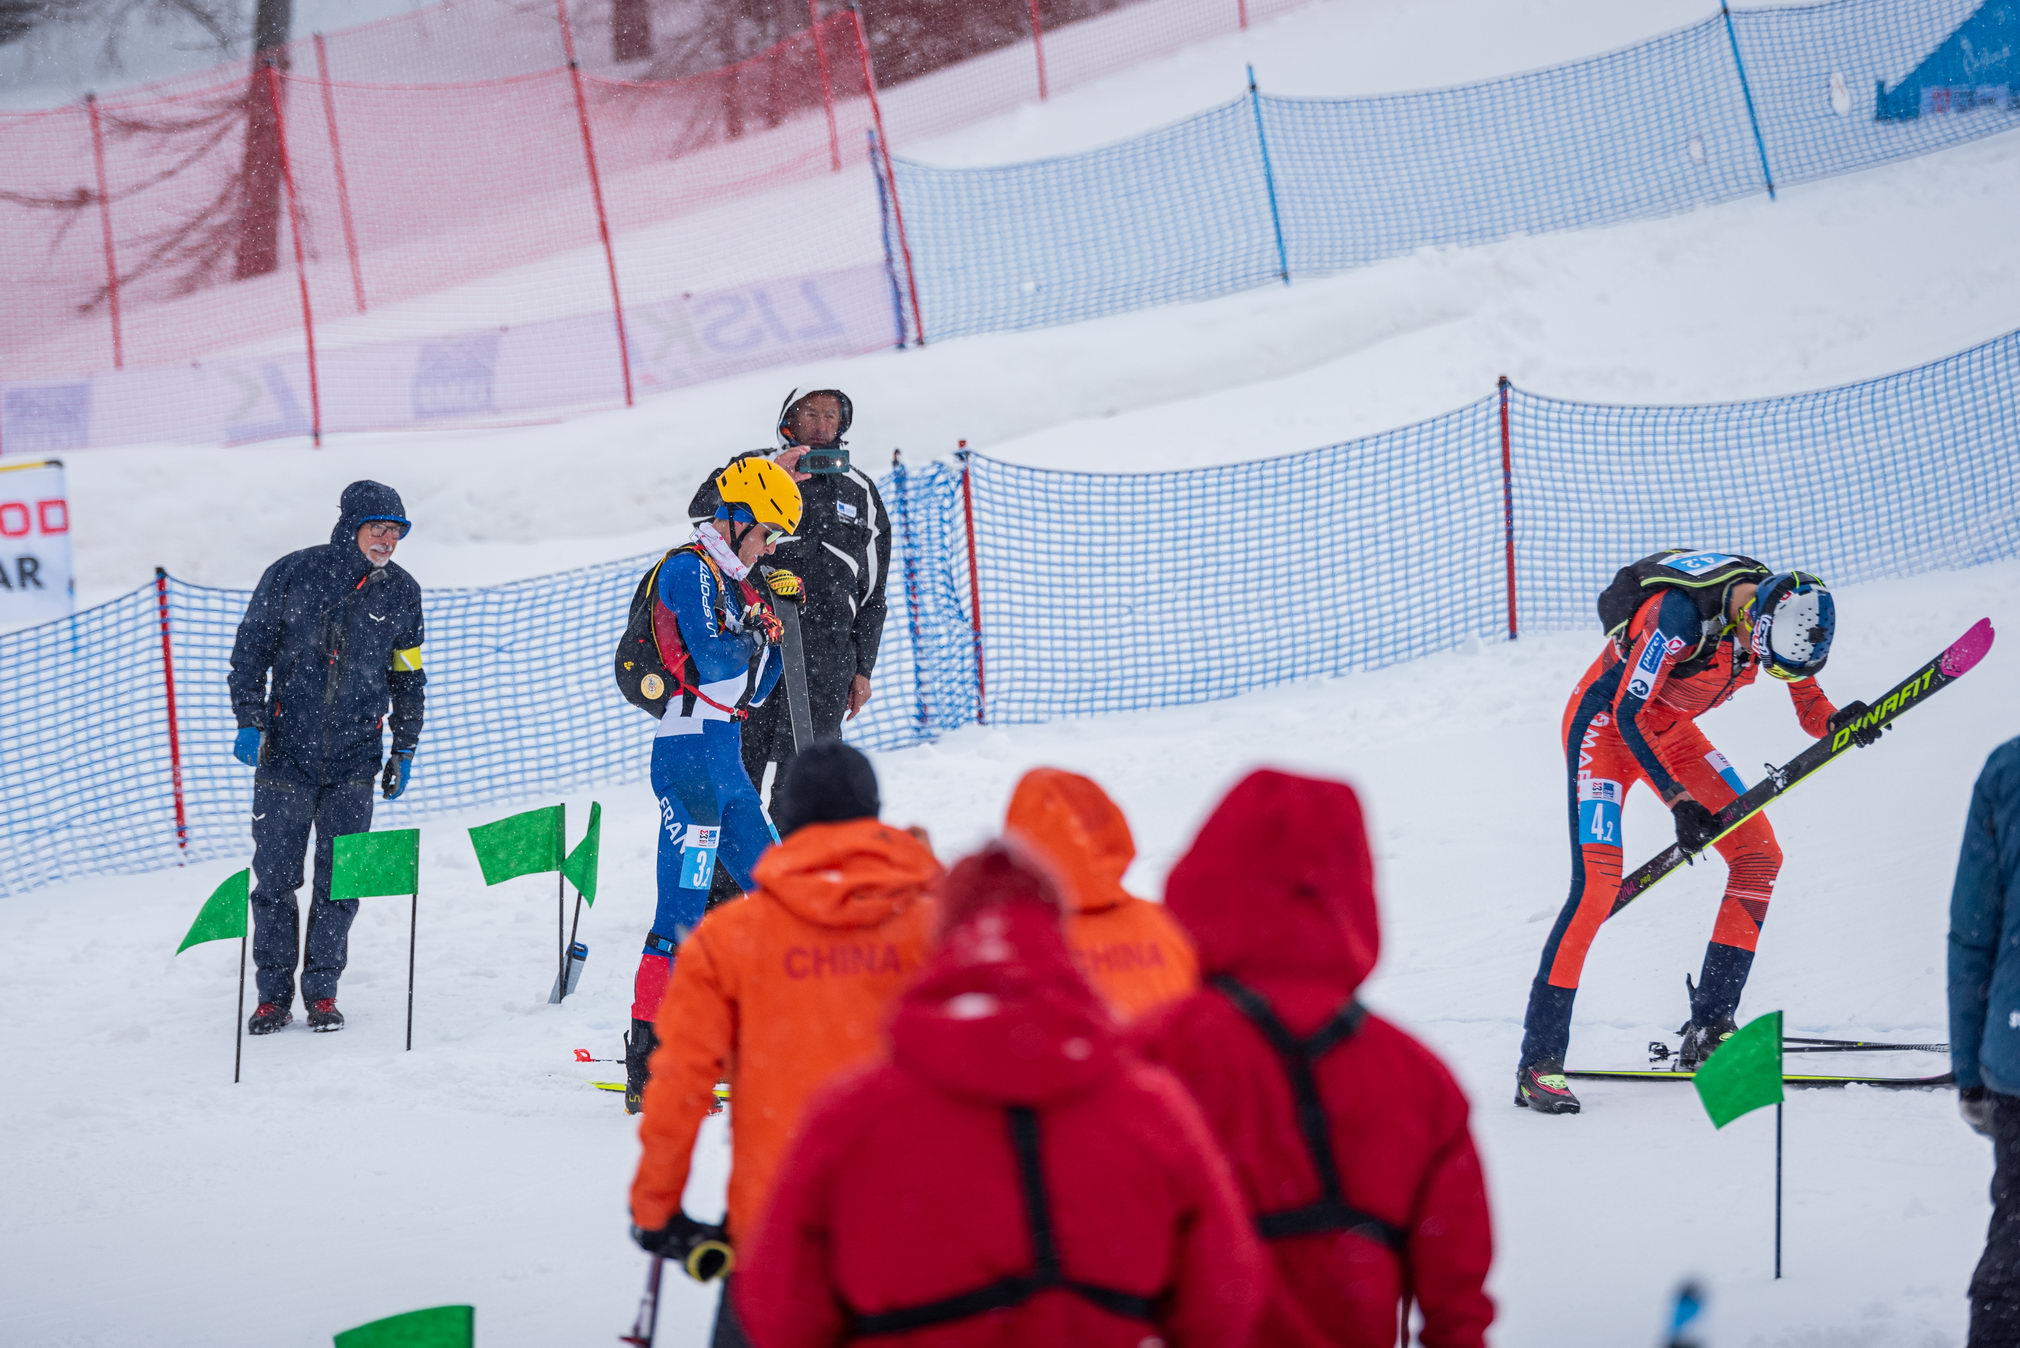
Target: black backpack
x=1707, y=577
x=642, y=675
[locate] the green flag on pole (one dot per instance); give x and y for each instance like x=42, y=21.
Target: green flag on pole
x=1745, y=1073
x=438, y=1327
x=524, y=844
x=223, y=915
x=580, y=868
x=371, y=865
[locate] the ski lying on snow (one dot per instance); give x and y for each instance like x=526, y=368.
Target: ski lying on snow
x=721, y=1091
x=1788, y=1078
x=1956, y=661
x=1660, y=1051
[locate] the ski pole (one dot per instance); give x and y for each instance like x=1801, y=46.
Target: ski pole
x=646, y=1326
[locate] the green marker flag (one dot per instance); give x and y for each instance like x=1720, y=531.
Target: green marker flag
x=524, y=844
x=372, y=865
x=580, y=867
x=438, y=1327
x=1745, y=1073
x=223, y=914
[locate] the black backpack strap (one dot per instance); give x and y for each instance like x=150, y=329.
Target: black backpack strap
x=1331, y=1211
x=1046, y=1273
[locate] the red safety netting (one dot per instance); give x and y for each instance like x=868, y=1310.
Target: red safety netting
x=243, y=257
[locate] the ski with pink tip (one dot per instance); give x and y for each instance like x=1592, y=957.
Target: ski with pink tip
x=1957, y=660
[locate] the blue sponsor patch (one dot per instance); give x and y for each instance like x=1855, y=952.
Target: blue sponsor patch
x=1652, y=653
x=1699, y=562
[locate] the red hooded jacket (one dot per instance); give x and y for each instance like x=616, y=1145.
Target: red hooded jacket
x=904, y=1185
x=1278, y=892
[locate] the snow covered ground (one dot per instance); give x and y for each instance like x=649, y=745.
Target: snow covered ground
x=345, y=1179
x=157, y=1203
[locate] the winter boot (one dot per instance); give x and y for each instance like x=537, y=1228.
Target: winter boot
x=1700, y=1041
x=1542, y=1087
x=324, y=1016
x=638, y=1047
x=268, y=1017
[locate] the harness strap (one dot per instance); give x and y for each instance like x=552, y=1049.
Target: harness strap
x=1045, y=1274
x=1331, y=1211
x=690, y=687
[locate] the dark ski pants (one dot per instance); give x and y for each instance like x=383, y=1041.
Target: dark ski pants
x=1995, y=1287
x=728, y=1325
x=283, y=813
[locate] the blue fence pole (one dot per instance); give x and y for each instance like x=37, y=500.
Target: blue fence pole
x=1746, y=88
x=901, y=497
x=884, y=230
x=1269, y=178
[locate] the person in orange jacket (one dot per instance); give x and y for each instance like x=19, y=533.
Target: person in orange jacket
x=779, y=991
x=1134, y=952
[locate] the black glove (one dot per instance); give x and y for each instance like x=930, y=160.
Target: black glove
x=699, y=1247
x=1976, y=1107
x=1695, y=825
x=1863, y=737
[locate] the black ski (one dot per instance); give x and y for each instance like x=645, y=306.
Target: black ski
x=1956, y=661
x=793, y=654
x=1660, y=1051
x=1788, y=1078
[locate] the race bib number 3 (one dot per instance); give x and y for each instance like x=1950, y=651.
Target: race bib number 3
x=697, y=857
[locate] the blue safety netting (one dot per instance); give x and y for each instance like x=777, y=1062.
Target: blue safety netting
x=1098, y=592
x=1194, y=210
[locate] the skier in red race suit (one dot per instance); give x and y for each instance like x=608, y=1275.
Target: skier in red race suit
x=1688, y=630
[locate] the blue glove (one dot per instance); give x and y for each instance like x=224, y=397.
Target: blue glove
x=246, y=748
x=394, y=779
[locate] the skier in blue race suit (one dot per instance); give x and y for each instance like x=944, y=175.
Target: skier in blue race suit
x=330, y=643
x=718, y=638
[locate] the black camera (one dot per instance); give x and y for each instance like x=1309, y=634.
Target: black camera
x=824, y=461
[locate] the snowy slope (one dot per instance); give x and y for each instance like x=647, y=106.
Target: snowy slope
x=345, y=1179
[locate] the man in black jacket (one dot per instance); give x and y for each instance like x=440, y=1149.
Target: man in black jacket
x=331, y=638
x=841, y=554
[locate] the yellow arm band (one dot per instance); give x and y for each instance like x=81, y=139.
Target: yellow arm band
x=407, y=660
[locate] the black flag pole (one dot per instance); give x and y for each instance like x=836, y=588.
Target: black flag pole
x=1778, y=1190
x=238, y=1042
x=413, y=921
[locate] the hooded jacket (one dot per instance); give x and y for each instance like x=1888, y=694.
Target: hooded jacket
x=777, y=992
x=327, y=644
x=1984, y=979
x=1135, y=953
x=1278, y=893
x=904, y=1187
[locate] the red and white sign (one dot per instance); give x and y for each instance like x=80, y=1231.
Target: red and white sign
x=35, y=575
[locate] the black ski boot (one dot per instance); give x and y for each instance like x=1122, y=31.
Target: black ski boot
x=268, y=1017
x=1700, y=1041
x=1542, y=1087
x=324, y=1016
x=638, y=1047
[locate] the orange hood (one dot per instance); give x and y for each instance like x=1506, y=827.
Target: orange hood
x=856, y=873
x=1080, y=833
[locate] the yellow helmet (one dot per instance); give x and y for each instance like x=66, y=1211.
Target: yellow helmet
x=763, y=488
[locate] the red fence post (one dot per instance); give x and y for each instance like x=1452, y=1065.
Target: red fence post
x=1508, y=504
x=974, y=587
x=174, y=733
x=337, y=165
x=596, y=194
x=105, y=228
x=1241, y=12
x=827, y=84
x=890, y=174
x=301, y=258
x=1038, y=47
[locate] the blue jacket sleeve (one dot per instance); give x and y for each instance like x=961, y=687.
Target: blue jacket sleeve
x=1649, y=659
x=688, y=590
x=257, y=643
x=1984, y=883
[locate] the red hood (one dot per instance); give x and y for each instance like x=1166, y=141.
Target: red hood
x=1279, y=884
x=999, y=1013
x=1080, y=833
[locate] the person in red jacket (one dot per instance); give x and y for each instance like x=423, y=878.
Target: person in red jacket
x=1347, y=1136
x=1011, y=1174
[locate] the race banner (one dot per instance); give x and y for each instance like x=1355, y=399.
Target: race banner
x=35, y=576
